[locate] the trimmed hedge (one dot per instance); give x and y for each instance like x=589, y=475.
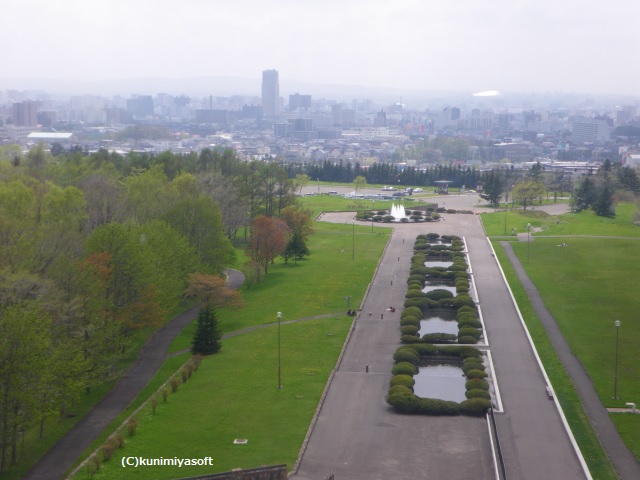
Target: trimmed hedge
x=404, y=368
x=402, y=379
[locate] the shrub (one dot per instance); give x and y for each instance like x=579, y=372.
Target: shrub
x=432, y=236
x=462, y=300
x=409, y=339
x=405, y=355
x=107, y=450
x=478, y=394
x=475, y=374
x=184, y=375
x=414, y=286
x=388, y=218
x=404, y=220
x=197, y=360
x=412, y=278
x=154, y=405
x=409, y=330
x=476, y=384
x=411, y=311
x=118, y=440
x=91, y=469
x=404, y=368
x=165, y=394
x=469, y=322
x=175, y=383
x=469, y=332
x=414, y=293
x=466, y=309
x=475, y=406
x=434, y=406
x=439, y=338
x=132, y=426
x=409, y=321
x=473, y=361
x=406, y=380
x=381, y=212
x=401, y=389
x=404, y=402
x=439, y=294
x=419, y=270
x=466, y=340
x=376, y=218
x=462, y=289
x=466, y=368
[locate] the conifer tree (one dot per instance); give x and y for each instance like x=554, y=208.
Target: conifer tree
x=206, y=338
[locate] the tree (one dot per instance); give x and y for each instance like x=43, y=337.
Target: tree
x=492, y=187
x=359, y=182
x=526, y=192
x=585, y=195
x=206, y=338
x=301, y=181
x=269, y=237
x=210, y=292
x=296, y=248
x=298, y=220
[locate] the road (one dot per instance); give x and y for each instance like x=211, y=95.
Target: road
x=358, y=436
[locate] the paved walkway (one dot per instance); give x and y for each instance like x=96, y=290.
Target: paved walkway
x=622, y=459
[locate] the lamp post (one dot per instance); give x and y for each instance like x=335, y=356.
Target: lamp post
x=348, y=299
x=615, y=376
x=279, y=315
x=528, y=240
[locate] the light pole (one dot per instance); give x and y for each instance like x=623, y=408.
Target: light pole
x=348, y=299
x=615, y=377
x=279, y=315
x=528, y=240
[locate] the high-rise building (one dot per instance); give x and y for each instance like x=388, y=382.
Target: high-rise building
x=25, y=114
x=270, y=93
x=299, y=102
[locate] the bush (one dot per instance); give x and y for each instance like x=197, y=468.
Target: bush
x=466, y=309
x=107, y=450
x=467, y=340
x=431, y=237
x=184, y=375
x=478, y=394
x=409, y=321
x=404, y=402
x=476, y=384
x=377, y=218
x=118, y=440
x=165, y=394
x=401, y=389
x=475, y=406
x=175, y=383
x=406, y=380
x=414, y=293
x=416, y=278
x=132, y=426
x=419, y=270
x=405, y=355
x=388, y=218
x=439, y=294
x=404, y=368
x=468, y=322
x=409, y=330
x=381, y=212
x=476, y=374
x=473, y=361
x=469, y=332
x=409, y=339
x=411, y=311
x=463, y=300
x=466, y=368
x=462, y=289
x=154, y=405
x=438, y=338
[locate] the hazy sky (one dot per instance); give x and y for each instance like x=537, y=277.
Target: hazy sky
x=582, y=46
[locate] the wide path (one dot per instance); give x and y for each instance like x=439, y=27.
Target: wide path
x=358, y=436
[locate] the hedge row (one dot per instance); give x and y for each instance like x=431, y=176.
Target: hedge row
x=449, y=248
x=402, y=398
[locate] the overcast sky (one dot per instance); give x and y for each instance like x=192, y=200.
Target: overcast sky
x=581, y=46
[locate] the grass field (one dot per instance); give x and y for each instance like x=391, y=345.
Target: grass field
x=583, y=285
x=236, y=380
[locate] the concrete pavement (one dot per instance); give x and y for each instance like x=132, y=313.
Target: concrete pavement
x=358, y=436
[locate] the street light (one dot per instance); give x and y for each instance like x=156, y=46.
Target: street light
x=615, y=377
x=528, y=240
x=348, y=299
x=353, y=242
x=279, y=315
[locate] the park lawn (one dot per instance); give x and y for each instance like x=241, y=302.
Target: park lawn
x=233, y=395
x=587, y=222
x=585, y=287
x=579, y=422
x=317, y=285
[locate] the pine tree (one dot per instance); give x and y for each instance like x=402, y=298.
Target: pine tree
x=296, y=248
x=206, y=338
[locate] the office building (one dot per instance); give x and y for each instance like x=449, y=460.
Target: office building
x=25, y=114
x=270, y=93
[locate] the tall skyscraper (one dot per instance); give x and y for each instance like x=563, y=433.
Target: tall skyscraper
x=270, y=93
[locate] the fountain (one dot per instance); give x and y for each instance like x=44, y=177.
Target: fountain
x=398, y=212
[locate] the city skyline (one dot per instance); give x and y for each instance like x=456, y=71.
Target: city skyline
x=466, y=46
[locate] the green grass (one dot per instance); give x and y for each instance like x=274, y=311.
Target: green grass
x=597, y=461
x=583, y=223
x=315, y=286
x=234, y=395
x=333, y=203
x=586, y=287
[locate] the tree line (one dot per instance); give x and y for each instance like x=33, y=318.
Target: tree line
x=96, y=247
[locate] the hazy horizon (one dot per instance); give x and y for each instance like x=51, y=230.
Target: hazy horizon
x=527, y=46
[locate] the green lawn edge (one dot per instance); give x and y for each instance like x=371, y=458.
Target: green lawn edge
x=580, y=424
